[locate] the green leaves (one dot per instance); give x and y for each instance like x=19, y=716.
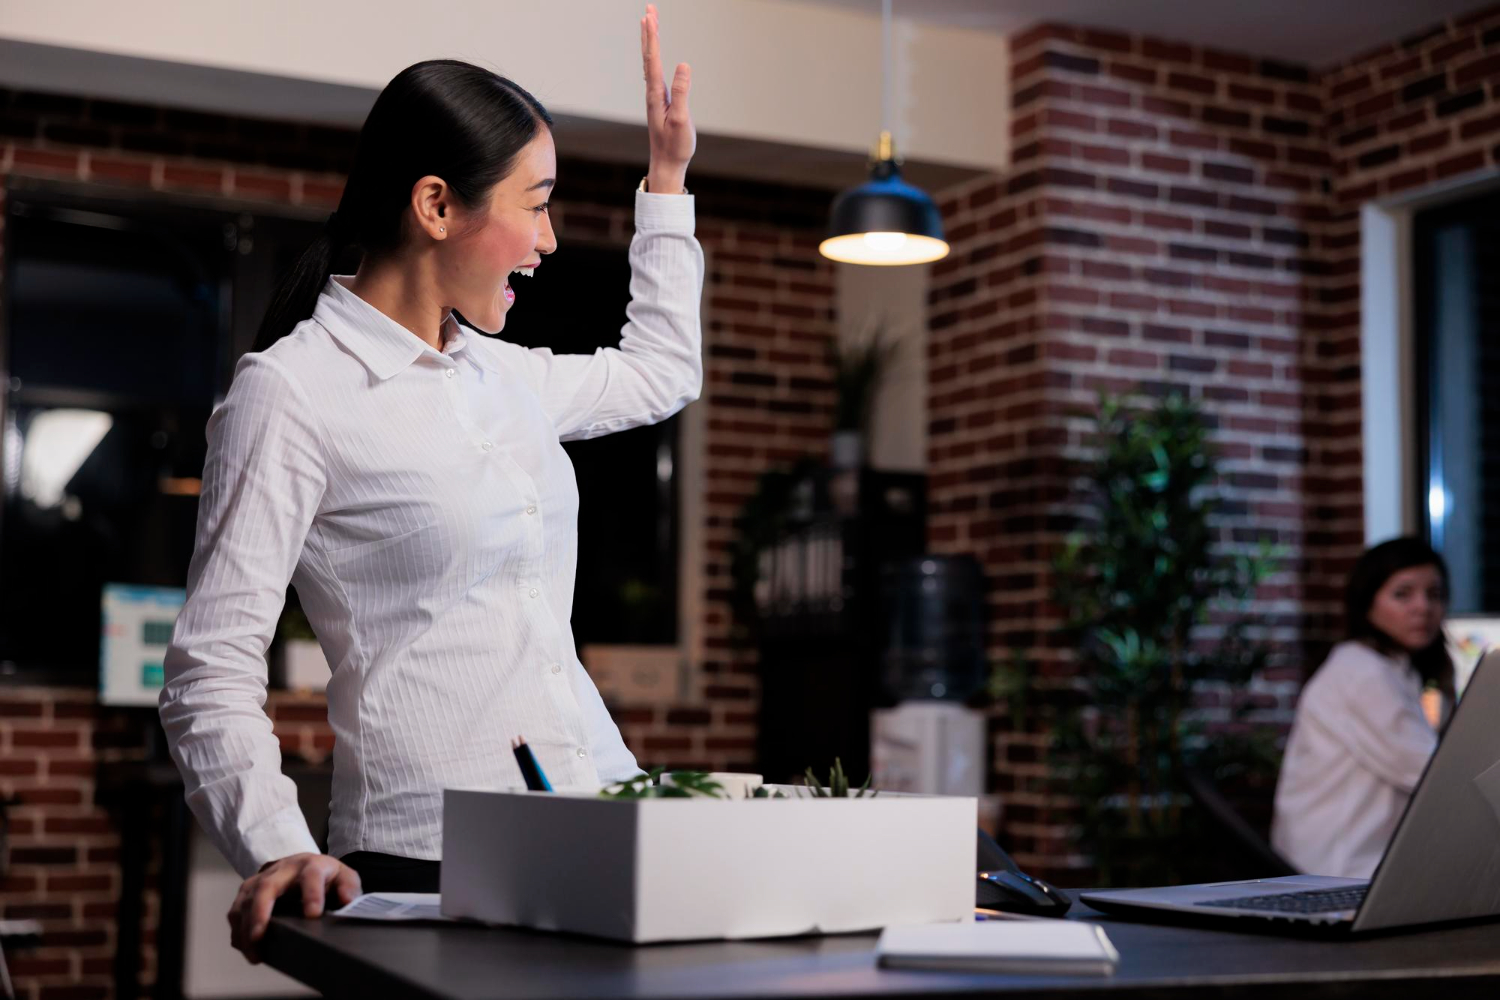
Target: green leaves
x=1149, y=563
x=685, y=785
x=837, y=786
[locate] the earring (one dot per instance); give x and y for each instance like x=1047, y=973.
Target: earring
x=441, y=229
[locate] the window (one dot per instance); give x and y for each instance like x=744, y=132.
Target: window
x=121, y=324
x=626, y=591
x=1457, y=343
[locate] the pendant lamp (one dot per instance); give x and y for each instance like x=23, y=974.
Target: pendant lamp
x=885, y=220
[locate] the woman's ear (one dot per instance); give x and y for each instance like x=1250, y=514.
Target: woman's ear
x=429, y=205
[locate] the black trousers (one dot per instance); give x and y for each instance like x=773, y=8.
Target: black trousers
x=390, y=873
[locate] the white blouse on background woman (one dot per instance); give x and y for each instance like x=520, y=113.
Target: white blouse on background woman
x=1358, y=747
x=421, y=503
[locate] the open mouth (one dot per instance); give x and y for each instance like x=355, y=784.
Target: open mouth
x=510, y=293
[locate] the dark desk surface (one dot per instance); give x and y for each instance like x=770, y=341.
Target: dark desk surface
x=466, y=961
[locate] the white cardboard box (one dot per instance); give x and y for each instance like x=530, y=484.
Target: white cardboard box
x=683, y=869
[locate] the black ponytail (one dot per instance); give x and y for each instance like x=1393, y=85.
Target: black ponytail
x=442, y=117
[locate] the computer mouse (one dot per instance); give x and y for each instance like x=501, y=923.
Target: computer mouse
x=1017, y=892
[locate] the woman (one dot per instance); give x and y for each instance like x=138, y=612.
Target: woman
x=405, y=474
x=1361, y=740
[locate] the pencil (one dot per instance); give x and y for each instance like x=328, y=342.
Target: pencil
x=536, y=780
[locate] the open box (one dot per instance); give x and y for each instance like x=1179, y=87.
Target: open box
x=646, y=870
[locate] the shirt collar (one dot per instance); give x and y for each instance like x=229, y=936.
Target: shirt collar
x=379, y=342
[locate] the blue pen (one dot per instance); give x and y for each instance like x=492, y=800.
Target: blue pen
x=536, y=779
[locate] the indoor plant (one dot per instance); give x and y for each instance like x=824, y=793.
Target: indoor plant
x=1137, y=579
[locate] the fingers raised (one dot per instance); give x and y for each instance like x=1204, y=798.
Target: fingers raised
x=656, y=96
x=682, y=81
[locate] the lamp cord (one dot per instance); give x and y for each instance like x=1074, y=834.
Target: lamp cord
x=885, y=66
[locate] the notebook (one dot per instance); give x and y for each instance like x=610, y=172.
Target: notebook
x=1018, y=947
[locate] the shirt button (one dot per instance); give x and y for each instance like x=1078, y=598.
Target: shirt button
x=487, y=445
x=557, y=668
x=531, y=510
x=534, y=592
x=450, y=372
x=582, y=752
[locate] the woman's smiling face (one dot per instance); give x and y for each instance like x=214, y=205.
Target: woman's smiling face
x=513, y=231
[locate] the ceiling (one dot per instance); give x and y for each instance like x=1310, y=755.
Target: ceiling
x=1316, y=33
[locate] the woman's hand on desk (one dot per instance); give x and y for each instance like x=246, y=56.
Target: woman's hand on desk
x=314, y=874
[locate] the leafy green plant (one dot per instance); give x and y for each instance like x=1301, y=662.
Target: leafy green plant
x=1135, y=582
x=857, y=373
x=837, y=786
x=685, y=785
x=293, y=624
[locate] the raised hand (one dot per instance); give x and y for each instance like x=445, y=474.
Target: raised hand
x=668, y=121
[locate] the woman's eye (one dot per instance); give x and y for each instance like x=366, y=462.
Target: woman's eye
x=542, y=207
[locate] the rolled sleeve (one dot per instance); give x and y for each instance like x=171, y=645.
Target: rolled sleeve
x=263, y=481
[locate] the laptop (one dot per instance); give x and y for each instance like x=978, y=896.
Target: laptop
x=1443, y=862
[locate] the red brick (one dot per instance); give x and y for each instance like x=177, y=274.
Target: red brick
x=1427, y=143
x=1162, y=51
x=1192, y=83
x=46, y=738
x=47, y=160
x=1132, y=72
x=1168, y=164
x=1164, y=220
x=112, y=169
x=1352, y=85
x=262, y=186
x=201, y=178
x=1458, y=164
x=1245, y=92
x=1108, y=40
x=80, y=883
x=329, y=193
x=1476, y=70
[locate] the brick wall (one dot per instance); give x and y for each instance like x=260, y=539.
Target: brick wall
x=767, y=398
x=1177, y=219
x=63, y=858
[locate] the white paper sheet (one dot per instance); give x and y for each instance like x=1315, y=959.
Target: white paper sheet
x=394, y=906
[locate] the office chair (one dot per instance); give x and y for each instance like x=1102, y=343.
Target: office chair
x=1260, y=857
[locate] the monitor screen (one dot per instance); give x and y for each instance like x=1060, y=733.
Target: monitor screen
x=1469, y=638
x=135, y=631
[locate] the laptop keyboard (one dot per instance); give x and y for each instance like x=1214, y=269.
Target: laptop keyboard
x=1307, y=901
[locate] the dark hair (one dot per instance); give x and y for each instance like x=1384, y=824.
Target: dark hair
x=1374, y=568
x=443, y=117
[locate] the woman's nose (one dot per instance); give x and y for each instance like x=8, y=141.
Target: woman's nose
x=546, y=239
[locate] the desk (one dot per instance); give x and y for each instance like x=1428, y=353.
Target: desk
x=1156, y=961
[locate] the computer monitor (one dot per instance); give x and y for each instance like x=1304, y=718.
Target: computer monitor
x=1469, y=638
x=136, y=628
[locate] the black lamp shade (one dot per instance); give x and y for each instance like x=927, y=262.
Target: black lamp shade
x=884, y=221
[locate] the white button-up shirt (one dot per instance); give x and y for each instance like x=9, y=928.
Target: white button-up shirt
x=1358, y=747
x=421, y=503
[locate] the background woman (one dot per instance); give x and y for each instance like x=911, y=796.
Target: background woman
x=1361, y=740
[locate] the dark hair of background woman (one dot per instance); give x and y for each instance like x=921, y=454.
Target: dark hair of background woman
x=1374, y=568
x=442, y=117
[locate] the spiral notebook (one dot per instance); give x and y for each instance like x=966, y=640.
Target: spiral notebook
x=1017, y=947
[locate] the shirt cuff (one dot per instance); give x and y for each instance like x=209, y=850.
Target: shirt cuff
x=672, y=213
x=277, y=836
